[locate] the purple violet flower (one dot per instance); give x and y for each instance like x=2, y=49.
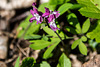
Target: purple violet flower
x=51, y=16
x=36, y=16
x=53, y=25
x=47, y=13
x=34, y=4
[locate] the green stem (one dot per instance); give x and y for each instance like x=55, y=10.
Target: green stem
x=26, y=30
x=57, y=35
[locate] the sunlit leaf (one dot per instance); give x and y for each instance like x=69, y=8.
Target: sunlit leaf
x=82, y=48
x=64, y=61
x=91, y=8
x=17, y=62
x=86, y=26
x=95, y=34
x=39, y=44
x=75, y=44
x=63, y=8
x=55, y=42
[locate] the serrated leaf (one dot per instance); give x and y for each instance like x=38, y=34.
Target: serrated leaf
x=50, y=49
x=17, y=62
x=90, y=12
x=63, y=8
x=86, y=26
x=97, y=3
x=88, y=3
x=75, y=44
x=91, y=8
x=64, y=61
x=44, y=64
x=83, y=38
x=39, y=44
x=28, y=62
x=82, y=48
x=95, y=34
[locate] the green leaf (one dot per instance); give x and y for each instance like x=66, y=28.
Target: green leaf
x=89, y=3
x=82, y=48
x=50, y=49
x=45, y=38
x=51, y=7
x=57, y=2
x=95, y=34
x=53, y=2
x=91, y=8
x=39, y=44
x=34, y=28
x=75, y=44
x=28, y=62
x=32, y=36
x=67, y=1
x=49, y=31
x=86, y=26
x=92, y=43
x=76, y=6
x=90, y=12
x=63, y=8
x=64, y=61
x=72, y=19
x=71, y=30
x=97, y=3
x=52, y=33
x=83, y=38
x=44, y=64
x=17, y=62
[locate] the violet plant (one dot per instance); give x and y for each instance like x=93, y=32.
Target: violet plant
x=45, y=17
x=49, y=16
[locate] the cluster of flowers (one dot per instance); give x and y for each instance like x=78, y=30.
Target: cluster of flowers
x=49, y=15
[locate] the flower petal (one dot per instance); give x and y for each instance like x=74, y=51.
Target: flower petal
x=38, y=21
x=31, y=19
x=35, y=10
x=34, y=4
x=51, y=18
x=53, y=25
x=54, y=28
x=45, y=15
x=41, y=19
x=32, y=12
x=47, y=10
x=56, y=14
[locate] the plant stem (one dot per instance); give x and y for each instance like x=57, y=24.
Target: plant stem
x=57, y=35
x=25, y=30
x=60, y=38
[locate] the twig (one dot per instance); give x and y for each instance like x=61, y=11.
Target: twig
x=21, y=49
x=7, y=34
x=20, y=40
x=20, y=16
